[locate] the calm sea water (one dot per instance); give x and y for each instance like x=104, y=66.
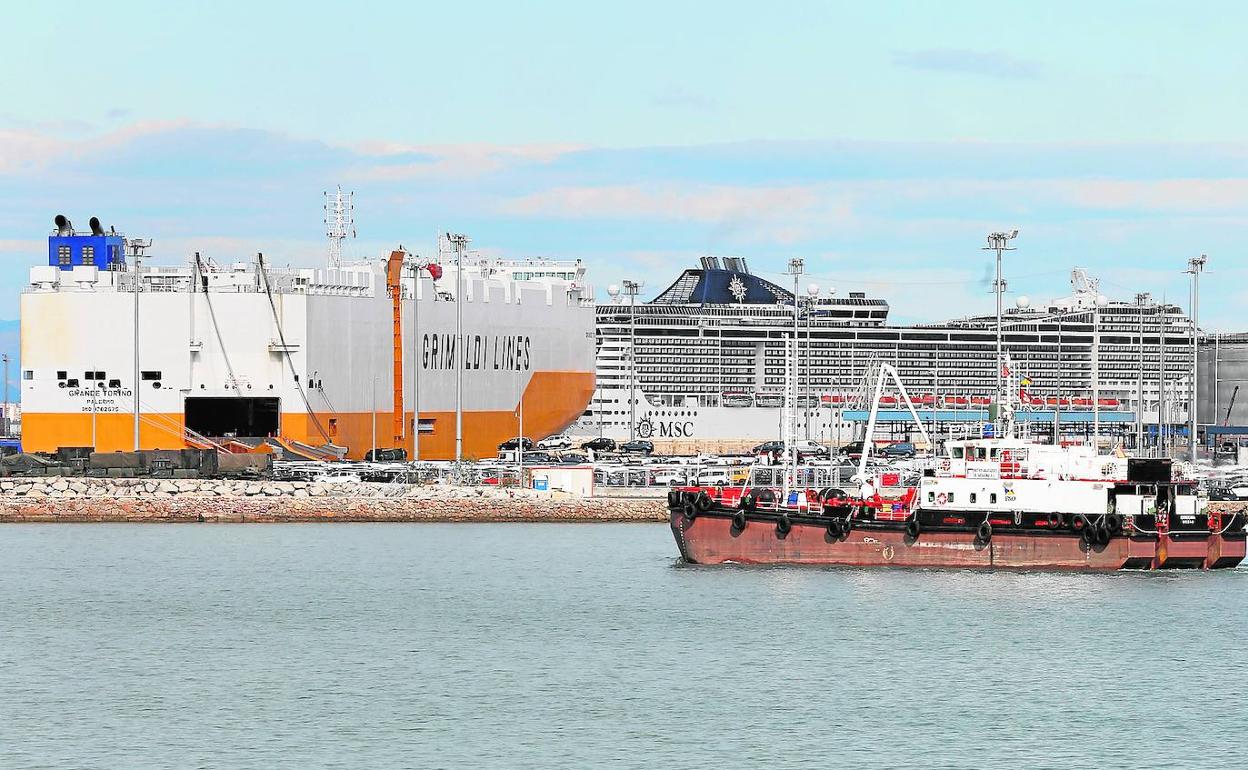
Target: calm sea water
x=538, y=646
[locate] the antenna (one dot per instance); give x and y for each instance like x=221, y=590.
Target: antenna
x=339, y=223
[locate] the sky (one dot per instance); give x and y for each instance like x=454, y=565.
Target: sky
x=880, y=142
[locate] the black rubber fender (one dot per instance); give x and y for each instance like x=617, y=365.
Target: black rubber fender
x=783, y=525
x=1113, y=522
x=674, y=498
x=834, y=529
x=765, y=497
x=1103, y=534
x=739, y=521
x=913, y=528
x=847, y=525
x=703, y=502
x=1080, y=523
x=689, y=509
x=984, y=533
x=1055, y=521
x=1088, y=535
x=748, y=503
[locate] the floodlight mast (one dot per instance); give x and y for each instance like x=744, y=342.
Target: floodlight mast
x=1000, y=243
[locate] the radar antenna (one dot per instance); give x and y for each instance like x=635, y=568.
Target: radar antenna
x=339, y=223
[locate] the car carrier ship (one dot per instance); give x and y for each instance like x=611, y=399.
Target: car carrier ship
x=441, y=357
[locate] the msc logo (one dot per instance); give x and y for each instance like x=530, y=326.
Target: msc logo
x=647, y=428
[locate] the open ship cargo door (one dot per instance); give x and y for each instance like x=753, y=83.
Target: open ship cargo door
x=233, y=415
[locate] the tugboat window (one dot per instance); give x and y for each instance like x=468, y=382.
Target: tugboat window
x=973, y=497
x=992, y=498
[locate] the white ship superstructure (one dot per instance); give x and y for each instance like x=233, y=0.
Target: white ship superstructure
x=709, y=360
x=336, y=359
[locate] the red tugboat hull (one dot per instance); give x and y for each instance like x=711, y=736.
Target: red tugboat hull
x=714, y=538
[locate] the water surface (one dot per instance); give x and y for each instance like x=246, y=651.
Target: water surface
x=548, y=645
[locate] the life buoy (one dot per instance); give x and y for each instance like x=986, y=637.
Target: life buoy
x=984, y=533
x=689, y=510
x=783, y=525
x=1215, y=521
x=703, y=502
x=944, y=464
x=913, y=528
x=739, y=521
x=942, y=499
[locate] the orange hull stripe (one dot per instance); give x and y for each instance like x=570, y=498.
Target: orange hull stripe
x=552, y=402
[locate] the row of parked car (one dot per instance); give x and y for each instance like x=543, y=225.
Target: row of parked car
x=597, y=445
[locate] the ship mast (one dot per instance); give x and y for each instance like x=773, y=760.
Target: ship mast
x=1000, y=243
x=339, y=223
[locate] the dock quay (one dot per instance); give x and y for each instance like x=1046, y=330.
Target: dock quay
x=88, y=499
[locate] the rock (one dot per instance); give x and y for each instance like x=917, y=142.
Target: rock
x=167, y=487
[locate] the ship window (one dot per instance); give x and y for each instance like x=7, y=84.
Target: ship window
x=88, y=254
x=931, y=497
x=992, y=498
x=951, y=497
x=973, y=497
x=150, y=375
x=957, y=453
x=117, y=384
x=71, y=383
x=29, y=374
x=64, y=256
x=61, y=374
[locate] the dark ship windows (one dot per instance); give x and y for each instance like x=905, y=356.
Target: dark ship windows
x=974, y=497
x=62, y=375
x=233, y=416
x=29, y=374
x=114, y=383
x=151, y=375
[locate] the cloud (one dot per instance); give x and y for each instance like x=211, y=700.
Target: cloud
x=997, y=64
x=394, y=162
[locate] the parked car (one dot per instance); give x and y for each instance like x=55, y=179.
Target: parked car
x=671, y=476
x=810, y=448
x=601, y=444
x=572, y=458
x=539, y=458
x=512, y=444
x=397, y=455
x=898, y=449
x=639, y=446
x=767, y=447
x=715, y=477
x=555, y=442
x=852, y=449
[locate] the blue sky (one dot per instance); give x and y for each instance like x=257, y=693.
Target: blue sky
x=879, y=141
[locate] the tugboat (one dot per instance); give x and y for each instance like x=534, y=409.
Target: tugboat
x=989, y=502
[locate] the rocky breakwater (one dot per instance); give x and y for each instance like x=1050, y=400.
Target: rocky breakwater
x=69, y=499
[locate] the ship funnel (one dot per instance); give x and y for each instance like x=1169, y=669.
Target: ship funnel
x=710, y=263
x=96, y=229
x=63, y=225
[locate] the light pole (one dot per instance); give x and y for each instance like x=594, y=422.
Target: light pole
x=1101, y=302
x=795, y=270
x=460, y=242
x=812, y=293
x=1000, y=243
x=631, y=288
x=1195, y=266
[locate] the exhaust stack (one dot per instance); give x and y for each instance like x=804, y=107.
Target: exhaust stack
x=96, y=229
x=63, y=225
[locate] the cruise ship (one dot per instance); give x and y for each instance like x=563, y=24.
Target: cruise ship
x=443, y=357
x=706, y=364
